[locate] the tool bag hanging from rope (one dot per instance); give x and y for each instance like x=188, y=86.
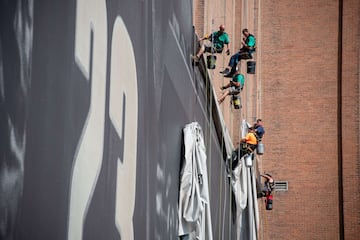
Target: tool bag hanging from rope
x=269, y=202
x=211, y=61
x=236, y=101
x=260, y=148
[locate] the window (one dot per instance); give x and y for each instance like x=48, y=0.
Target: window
x=281, y=186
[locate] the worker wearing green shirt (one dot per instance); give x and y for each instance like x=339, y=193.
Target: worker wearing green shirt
x=217, y=41
x=235, y=85
x=248, y=47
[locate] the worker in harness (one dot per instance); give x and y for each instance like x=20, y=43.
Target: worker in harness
x=246, y=51
x=234, y=86
x=247, y=145
x=259, y=129
x=217, y=41
x=268, y=184
x=267, y=189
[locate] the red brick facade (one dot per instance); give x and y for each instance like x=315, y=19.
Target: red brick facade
x=350, y=117
x=306, y=90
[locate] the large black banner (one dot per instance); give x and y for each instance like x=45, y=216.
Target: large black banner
x=93, y=98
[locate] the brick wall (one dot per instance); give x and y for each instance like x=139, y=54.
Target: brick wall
x=208, y=15
x=299, y=74
x=308, y=99
x=199, y=17
x=350, y=118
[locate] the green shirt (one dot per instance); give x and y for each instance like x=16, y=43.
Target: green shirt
x=239, y=78
x=219, y=39
x=250, y=41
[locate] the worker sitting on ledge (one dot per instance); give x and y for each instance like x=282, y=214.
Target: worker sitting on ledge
x=217, y=41
x=248, y=47
x=235, y=85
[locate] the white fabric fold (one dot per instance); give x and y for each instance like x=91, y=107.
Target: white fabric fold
x=244, y=188
x=194, y=204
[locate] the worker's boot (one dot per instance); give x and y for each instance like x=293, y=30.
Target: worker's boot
x=225, y=71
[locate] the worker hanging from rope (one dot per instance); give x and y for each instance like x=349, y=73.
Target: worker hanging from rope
x=248, y=47
x=259, y=133
x=267, y=189
x=217, y=41
x=247, y=146
x=234, y=87
x=259, y=129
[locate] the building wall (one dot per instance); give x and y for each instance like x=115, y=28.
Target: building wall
x=299, y=68
x=350, y=117
x=236, y=15
x=306, y=90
